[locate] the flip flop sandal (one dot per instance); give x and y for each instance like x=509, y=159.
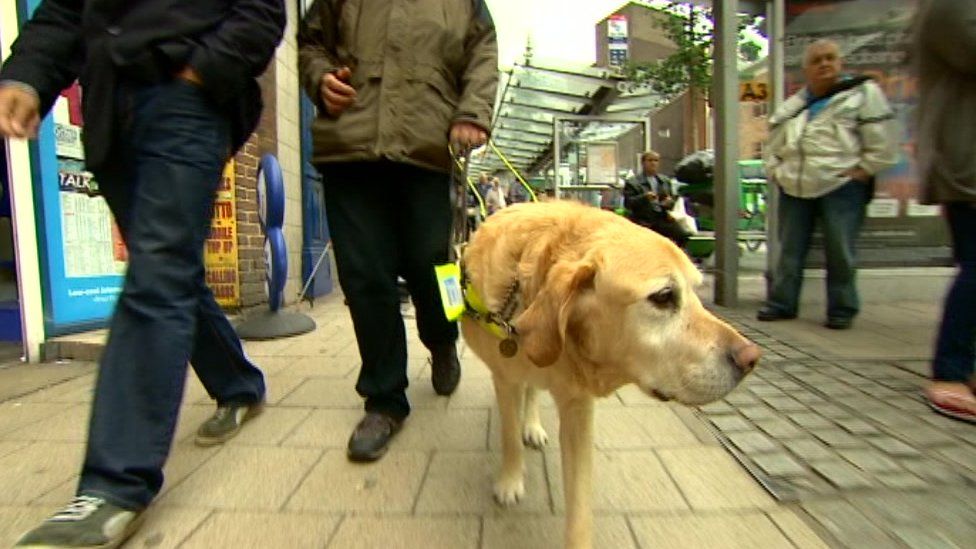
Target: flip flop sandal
x=948, y=409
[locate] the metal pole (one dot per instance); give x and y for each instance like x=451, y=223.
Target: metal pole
x=726, y=97
x=27, y=249
x=776, y=25
x=556, y=128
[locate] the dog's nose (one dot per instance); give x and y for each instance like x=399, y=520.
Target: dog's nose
x=746, y=357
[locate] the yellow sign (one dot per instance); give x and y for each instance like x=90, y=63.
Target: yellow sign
x=220, y=253
x=752, y=90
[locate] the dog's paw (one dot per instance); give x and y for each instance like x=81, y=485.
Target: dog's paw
x=535, y=436
x=508, y=492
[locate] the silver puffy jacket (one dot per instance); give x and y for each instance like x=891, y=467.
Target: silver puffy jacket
x=808, y=157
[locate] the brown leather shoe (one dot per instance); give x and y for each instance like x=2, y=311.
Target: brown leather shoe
x=445, y=369
x=371, y=438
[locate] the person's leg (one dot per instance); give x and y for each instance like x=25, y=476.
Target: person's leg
x=425, y=235
x=955, y=349
x=842, y=212
x=795, y=227
x=667, y=227
x=361, y=208
x=176, y=146
x=217, y=356
x=951, y=392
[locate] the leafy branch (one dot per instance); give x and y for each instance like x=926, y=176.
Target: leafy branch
x=690, y=28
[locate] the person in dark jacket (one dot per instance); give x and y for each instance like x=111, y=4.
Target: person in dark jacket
x=169, y=95
x=945, y=38
x=650, y=196
x=395, y=82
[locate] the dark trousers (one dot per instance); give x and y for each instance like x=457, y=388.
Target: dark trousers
x=666, y=226
x=389, y=219
x=841, y=214
x=160, y=184
x=955, y=348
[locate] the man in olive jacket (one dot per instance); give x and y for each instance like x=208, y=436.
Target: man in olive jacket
x=169, y=94
x=395, y=81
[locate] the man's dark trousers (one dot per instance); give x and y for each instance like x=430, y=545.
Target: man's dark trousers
x=388, y=219
x=171, y=144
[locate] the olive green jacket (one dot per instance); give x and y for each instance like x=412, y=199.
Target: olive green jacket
x=945, y=39
x=417, y=66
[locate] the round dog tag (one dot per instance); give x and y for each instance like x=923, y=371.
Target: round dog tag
x=508, y=347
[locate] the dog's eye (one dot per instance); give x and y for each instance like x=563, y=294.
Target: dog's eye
x=663, y=298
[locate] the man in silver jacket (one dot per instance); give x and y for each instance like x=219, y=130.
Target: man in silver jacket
x=826, y=144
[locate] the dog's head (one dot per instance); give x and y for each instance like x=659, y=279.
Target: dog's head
x=626, y=311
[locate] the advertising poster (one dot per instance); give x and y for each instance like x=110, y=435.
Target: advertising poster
x=84, y=256
x=617, y=40
x=601, y=163
x=91, y=243
x=220, y=254
x=875, y=37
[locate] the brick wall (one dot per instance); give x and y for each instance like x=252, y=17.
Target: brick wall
x=250, y=240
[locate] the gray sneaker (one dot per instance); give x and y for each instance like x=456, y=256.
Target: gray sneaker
x=87, y=521
x=226, y=423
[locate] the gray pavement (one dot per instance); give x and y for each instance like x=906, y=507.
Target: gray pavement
x=827, y=445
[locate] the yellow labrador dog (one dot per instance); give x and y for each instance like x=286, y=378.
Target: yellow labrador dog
x=596, y=302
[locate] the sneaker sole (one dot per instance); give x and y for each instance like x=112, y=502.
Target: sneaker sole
x=252, y=412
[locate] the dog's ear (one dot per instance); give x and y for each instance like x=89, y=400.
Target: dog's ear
x=542, y=326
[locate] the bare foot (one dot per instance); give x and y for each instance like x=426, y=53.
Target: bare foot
x=953, y=399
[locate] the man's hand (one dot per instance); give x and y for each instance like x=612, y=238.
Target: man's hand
x=465, y=135
x=857, y=174
x=19, y=113
x=650, y=196
x=188, y=74
x=336, y=93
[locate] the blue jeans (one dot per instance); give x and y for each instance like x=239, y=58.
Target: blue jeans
x=170, y=147
x=955, y=348
x=841, y=214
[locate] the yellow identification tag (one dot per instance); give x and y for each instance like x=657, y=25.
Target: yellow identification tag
x=449, y=282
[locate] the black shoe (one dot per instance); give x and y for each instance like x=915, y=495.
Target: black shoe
x=371, y=438
x=769, y=314
x=445, y=370
x=839, y=323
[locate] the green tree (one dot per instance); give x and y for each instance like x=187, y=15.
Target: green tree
x=690, y=66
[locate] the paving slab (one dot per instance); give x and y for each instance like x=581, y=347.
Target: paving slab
x=249, y=529
x=547, y=532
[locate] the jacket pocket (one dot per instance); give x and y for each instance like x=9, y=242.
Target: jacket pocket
x=355, y=130
x=434, y=99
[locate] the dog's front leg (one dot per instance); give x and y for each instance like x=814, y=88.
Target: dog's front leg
x=576, y=441
x=510, y=484
x=533, y=434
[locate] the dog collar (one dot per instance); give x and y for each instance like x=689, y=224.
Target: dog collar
x=499, y=324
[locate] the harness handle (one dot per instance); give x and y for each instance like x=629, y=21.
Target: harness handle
x=459, y=220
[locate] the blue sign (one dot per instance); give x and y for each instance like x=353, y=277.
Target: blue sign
x=82, y=255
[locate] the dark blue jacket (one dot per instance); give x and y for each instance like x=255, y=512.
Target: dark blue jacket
x=227, y=42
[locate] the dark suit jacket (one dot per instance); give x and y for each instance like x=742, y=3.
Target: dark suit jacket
x=641, y=208
x=227, y=42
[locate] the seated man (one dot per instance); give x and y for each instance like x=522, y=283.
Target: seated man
x=649, y=198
